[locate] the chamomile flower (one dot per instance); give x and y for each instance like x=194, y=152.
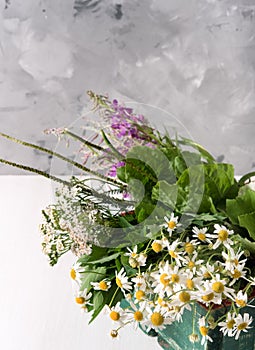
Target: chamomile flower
x=76, y=272
x=162, y=280
x=192, y=282
x=201, y=235
x=157, y=245
x=221, y=233
x=232, y=259
x=122, y=280
x=192, y=263
x=219, y=287
x=190, y=246
x=236, y=273
x=241, y=299
x=207, y=271
x=132, y=253
x=204, y=330
x=139, y=282
x=135, y=259
x=103, y=285
x=157, y=318
x=82, y=298
x=206, y=295
x=137, y=315
x=228, y=326
x=242, y=324
x=171, y=223
x=117, y=314
x=182, y=299
x=175, y=253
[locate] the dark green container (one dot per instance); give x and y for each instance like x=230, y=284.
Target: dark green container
x=176, y=335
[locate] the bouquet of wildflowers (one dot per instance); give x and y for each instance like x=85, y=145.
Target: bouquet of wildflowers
x=157, y=226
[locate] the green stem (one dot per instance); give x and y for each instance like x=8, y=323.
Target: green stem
x=36, y=171
x=85, y=142
x=114, y=295
x=55, y=154
x=246, y=177
x=209, y=310
x=117, y=154
x=194, y=318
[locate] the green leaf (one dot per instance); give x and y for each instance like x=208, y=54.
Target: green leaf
x=165, y=193
x=96, y=254
x=92, y=274
x=247, y=244
x=212, y=180
x=98, y=304
x=248, y=221
x=243, y=204
x=129, y=270
x=144, y=209
x=204, y=153
x=104, y=259
x=246, y=177
x=155, y=159
x=121, y=173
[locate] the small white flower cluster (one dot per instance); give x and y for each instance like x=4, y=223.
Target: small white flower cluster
x=55, y=238
x=65, y=226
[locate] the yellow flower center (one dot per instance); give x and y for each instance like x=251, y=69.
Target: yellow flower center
x=240, y=302
x=190, y=284
x=80, y=300
x=139, y=294
x=138, y=316
x=171, y=225
x=157, y=319
x=223, y=235
x=172, y=254
x=237, y=274
x=230, y=324
x=184, y=297
x=161, y=302
x=242, y=326
x=103, y=285
x=208, y=297
x=207, y=274
x=157, y=247
x=114, y=315
x=236, y=262
x=73, y=274
x=175, y=278
x=189, y=248
x=201, y=236
x=177, y=309
x=191, y=264
x=164, y=280
x=133, y=255
x=203, y=331
x=218, y=287
x=118, y=282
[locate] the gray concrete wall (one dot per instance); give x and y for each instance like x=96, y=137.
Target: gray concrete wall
x=188, y=64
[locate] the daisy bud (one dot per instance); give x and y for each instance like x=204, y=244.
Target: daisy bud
x=193, y=338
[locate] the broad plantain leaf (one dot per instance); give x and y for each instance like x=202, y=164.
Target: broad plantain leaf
x=248, y=221
x=243, y=204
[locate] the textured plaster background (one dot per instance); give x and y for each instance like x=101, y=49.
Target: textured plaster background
x=189, y=64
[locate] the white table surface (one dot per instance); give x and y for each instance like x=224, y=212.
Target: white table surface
x=37, y=309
